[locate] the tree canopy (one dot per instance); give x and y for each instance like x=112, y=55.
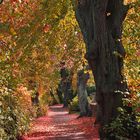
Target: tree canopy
x=36, y=36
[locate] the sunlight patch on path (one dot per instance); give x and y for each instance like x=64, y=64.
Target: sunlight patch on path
x=60, y=125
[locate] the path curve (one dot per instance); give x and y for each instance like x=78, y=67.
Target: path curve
x=60, y=125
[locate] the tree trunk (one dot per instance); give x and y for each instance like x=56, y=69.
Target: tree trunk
x=82, y=93
x=101, y=24
x=54, y=100
x=66, y=83
x=59, y=93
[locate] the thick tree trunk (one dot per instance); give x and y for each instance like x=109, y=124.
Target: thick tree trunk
x=101, y=25
x=82, y=93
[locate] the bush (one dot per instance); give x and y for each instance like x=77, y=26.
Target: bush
x=74, y=106
x=91, y=89
x=46, y=99
x=15, y=114
x=39, y=110
x=124, y=127
x=127, y=124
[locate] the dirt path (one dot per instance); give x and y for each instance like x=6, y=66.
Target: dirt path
x=60, y=125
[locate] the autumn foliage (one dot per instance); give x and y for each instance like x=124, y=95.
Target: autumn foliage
x=35, y=36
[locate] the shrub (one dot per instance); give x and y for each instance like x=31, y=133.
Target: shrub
x=46, y=99
x=124, y=127
x=127, y=124
x=41, y=108
x=74, y=106
x=15, y=114
x=91, y=89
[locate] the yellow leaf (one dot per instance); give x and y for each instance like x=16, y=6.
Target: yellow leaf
x=12, y=31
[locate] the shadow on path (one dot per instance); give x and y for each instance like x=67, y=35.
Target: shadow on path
x=60, y=125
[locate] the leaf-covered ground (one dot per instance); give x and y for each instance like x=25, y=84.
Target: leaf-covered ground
x=60, y=125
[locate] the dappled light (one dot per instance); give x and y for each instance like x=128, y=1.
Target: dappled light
x=69, y=69
x=61, y=125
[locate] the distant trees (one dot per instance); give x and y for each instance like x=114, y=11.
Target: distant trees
x=66, y=84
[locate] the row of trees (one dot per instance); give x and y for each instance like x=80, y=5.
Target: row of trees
x=34, y=43
x=36, y=36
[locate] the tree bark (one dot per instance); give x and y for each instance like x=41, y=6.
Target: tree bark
x=100, y=22
x=82, y=93
x=59, y=93
x=66, y=83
